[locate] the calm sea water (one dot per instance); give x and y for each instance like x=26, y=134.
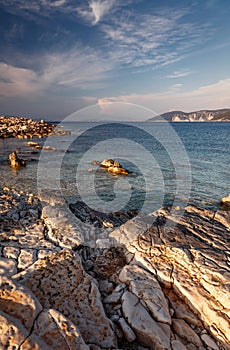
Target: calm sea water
x=168, y=163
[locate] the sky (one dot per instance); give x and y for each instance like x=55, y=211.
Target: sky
x=59, y=56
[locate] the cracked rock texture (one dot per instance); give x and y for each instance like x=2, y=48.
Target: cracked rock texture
x=155, y=282
x=59, y=282
x=192, y=260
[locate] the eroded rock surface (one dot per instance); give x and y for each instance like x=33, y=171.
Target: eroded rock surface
x=59, y=282
x=191, y=259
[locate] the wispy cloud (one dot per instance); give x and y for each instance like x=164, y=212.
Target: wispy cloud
x=211, y=96
x=152, y=40
x=78, y=68
x=179, y=74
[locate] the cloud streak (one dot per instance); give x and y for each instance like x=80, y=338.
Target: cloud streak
x=179, y=74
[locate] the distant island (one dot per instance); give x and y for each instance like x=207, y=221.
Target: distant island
x=219, y=115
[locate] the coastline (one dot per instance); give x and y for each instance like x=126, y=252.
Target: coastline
x=175, y=283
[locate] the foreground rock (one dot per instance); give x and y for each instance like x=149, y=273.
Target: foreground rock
x=113, y=167
x=15, y=161
x=162, y=282
x=192, y=261
x=59, y=282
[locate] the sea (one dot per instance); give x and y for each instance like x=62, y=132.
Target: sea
x=169, y=164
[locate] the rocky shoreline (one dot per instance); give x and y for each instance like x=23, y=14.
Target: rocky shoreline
x=136, y=286
x=24, y=128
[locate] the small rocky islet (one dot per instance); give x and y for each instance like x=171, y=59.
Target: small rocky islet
x=24, y=128
x=74, y=278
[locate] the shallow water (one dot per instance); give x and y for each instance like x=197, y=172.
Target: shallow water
x=160, y=156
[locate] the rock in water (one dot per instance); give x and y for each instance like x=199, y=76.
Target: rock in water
x=106, y=163
x=113, y=167
x=15, y=161
x=226, y=201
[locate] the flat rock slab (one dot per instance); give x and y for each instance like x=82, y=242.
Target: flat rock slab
x=59, y=282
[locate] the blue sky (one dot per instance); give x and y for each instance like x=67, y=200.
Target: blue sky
x=61, y=55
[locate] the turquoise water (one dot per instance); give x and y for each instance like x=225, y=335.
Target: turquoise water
x=168, y=163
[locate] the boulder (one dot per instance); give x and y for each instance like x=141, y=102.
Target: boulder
x=15, y=161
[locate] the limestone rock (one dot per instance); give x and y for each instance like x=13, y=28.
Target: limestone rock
x=146, y=287
x=62, y=227
x=191, y=258
x=59, y=282
x=148, y=331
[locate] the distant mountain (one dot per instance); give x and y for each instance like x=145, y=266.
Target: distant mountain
x=219, y=115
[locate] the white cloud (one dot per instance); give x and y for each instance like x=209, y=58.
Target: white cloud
x=81, y=68
x=100, y=8
x=15, y=81
x=96, y=10
x=211, y=96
